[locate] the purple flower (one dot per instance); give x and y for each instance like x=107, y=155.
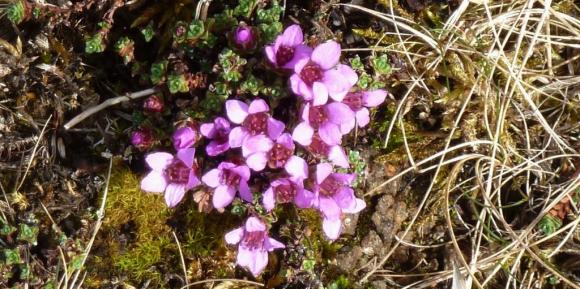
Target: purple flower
x=332, y=121
x=253, y=119
x=228, y=179
x=334, y=197
x=254, y=245
x=360, y=101
x=260, y=151
x=288, y=49
x=142, y=138
x=245, y=38
x=286, y=190
x=320, y=76
x=172, y=175
x=218, y=132
x=334, y=153
x=184, y=137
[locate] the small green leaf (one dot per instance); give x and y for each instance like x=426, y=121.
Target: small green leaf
x=158, y=71
x=15, y=12
x=28, y=234
x=12, y=256
x=381, y=64
x=549, y=224
x=177, y=83
x=95, y=44
x=356, y=63
x=195, y=29
x=148, y=32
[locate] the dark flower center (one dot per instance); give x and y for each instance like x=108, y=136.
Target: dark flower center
x=285, y=193
x=284, y=54
x=178, y=172
x=353, y=100
x=221, y=135
x=317, y=116
x=254, y=240
x=256, y=123
x=311, y=73
x=317, y=146
x=278, y=156
x=229, y=177
x=330, y=186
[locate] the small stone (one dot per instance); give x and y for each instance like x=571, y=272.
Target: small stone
x=349, y=224
x=372, y=244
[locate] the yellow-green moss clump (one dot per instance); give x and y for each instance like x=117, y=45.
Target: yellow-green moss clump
x=134, y=237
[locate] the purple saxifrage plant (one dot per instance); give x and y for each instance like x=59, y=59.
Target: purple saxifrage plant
x=260, y=151
x=173, y=175
x=287, y=190
x=218, y=132
x=253, y=120
x=288, y=48
x=254, y=245
x=226, y=180
x=360, y=101
x=319, y=76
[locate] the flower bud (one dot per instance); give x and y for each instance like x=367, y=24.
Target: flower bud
x=153, y=104
x=244, y=38
x=142, y=138
x=185, y=137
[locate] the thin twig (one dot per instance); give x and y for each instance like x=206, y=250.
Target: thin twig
x=109, y=102
x=181, y=257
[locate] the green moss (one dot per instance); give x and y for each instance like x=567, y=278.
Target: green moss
x=147, y=214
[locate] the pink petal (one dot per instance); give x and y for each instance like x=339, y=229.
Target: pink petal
x=236, y=110
x=207, y=130
x=215, y=148
x=258, y=143
x=245, y=192
x=211, y=178
x=258, y=105
x=285, y=140
x=300, y=52
x=331, y=228
x=348, y=74
x=303, y=133
x=234, y=236
x=374, y=97
x=326, y=54
x=338, y=113
x=223, y=196
x=300, y=64
x=244, y=257
x=294, y=83
x=257, y=161
x=336, y=84
x=253, y=224
x=330, y=133
x=187, y=156
x=346, y=179
x=158, y=161
x=174, y=194
x=272, y=244
x=268, y=199
x=242, y=171
x=337, y=156
x=348, y=126
x=292, y=36
x=329, y=208
x=237, y=137
x=258, y=262
x=323, y=170
x=305, y=113
x=154, y=182
x=320, y=94
x=304, y=199
x=275, y=128
x=271, y=54
x=362, y=117
x=344, y=198
x=358, y=206
x=297, y=167
x=192, y=182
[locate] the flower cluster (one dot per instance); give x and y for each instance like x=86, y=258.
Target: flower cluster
x=250, y=142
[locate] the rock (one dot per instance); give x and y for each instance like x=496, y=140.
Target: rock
x=349, y=224
x=350, y=260
x=372, y=244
